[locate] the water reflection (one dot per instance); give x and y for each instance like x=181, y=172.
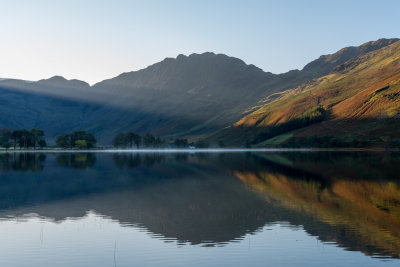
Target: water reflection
x=357, y=195
x=76, y=160
x=22, y=162
x=129, y=160
x=351, y=199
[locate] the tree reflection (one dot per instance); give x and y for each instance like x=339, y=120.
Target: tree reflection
x=352, y=199
x=76, y=160
x=127, y=160
x=24, y=162
x=132, y=160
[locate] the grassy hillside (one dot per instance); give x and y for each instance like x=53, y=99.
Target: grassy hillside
x=358, y=100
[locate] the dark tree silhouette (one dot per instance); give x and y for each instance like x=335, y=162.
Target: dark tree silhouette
x=76, y=139
x=120, y=140
x=149, y=140
x=62, y=141
x=36, y=136
x=201, y=143
x=180, y=143
x=134, y=138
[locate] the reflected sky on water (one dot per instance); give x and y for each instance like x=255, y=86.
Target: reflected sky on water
x=174, y=209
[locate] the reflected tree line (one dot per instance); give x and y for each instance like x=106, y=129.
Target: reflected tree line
x=348, y=198
x=76, y=160
x=34, y=162
x=282, y=163
x=130, y=160
x=134, y=160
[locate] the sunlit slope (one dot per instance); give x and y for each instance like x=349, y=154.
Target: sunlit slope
x=358, y=99
x=188, y=96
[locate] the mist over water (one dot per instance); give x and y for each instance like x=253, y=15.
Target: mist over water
x=163, y=208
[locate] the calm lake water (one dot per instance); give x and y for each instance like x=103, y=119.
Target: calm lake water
x=200, y=209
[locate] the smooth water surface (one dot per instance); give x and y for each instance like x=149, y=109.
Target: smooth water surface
x=200, y=209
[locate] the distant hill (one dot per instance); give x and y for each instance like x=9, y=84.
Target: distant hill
x=187, y=96
x=59, y=81
x=358, y=100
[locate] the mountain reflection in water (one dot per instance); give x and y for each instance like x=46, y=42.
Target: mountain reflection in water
x=351, y=199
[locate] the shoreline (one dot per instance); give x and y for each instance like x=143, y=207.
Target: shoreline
x=197, y=150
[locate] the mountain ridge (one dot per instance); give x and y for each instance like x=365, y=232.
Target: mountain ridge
x=187, y=96
x=358, y=100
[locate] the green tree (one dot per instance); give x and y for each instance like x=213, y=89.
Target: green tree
x=81, y=144
x=36, y=135
x=78, y=135
x=63, y=141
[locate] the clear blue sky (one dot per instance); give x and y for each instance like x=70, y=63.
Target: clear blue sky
x=94, y=39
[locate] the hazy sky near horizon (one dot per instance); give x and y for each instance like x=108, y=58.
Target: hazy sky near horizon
x=94, y=40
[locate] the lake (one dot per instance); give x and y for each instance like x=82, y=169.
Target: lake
x=200, y=209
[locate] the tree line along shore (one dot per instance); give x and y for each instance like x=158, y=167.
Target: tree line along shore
x=24, y=139
x=35, y=139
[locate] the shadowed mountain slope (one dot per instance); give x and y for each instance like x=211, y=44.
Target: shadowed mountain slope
x=184, y=96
